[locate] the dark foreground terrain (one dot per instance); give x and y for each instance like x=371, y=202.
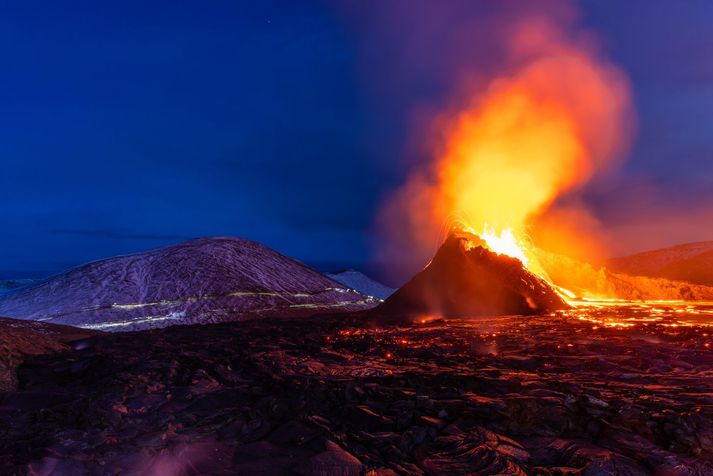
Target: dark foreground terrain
x=19, y=339
x=605, y=390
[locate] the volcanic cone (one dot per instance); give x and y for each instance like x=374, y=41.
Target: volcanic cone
x=465, y=278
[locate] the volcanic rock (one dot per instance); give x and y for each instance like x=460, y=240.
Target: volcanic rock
x=19, y=339
x=333, y=461
x=465, y=279
x=199, y=281
x=569, y=393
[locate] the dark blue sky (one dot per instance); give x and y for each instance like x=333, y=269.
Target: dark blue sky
x=130, y=125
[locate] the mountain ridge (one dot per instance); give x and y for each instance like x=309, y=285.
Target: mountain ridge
x=198, y=281
x=689, y=262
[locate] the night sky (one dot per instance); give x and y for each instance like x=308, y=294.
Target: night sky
x=132, y=125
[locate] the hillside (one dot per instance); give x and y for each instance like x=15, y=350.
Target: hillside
x=691, y=262
x=584, y=279
x=362, y=283
x=199, y=281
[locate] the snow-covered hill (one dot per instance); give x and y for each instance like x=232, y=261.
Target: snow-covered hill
x=362, y=283
x=691, y=262
x=199, y=281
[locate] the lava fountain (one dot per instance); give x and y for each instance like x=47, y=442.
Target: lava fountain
x=535, y=134
x=554, y=118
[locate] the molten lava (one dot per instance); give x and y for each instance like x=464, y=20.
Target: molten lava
x=505, y=244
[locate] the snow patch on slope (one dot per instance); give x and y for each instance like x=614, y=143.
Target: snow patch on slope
x=362, y=283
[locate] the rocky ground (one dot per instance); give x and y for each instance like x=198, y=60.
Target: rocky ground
x=606, y=390
x=19, y=339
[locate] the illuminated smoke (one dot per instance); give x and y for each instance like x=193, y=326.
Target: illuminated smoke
x=553, y=116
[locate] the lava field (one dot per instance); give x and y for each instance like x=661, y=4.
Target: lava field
x=594, y=390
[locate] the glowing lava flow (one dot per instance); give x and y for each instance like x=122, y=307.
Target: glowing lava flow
x=504, y=243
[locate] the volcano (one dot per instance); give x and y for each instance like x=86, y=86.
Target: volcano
x=200, y=281
x=465, y=278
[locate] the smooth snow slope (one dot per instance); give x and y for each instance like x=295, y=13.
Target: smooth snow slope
x=362, y=283
x=199, y=281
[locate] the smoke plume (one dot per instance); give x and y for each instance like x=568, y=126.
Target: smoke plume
x=533, y=112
